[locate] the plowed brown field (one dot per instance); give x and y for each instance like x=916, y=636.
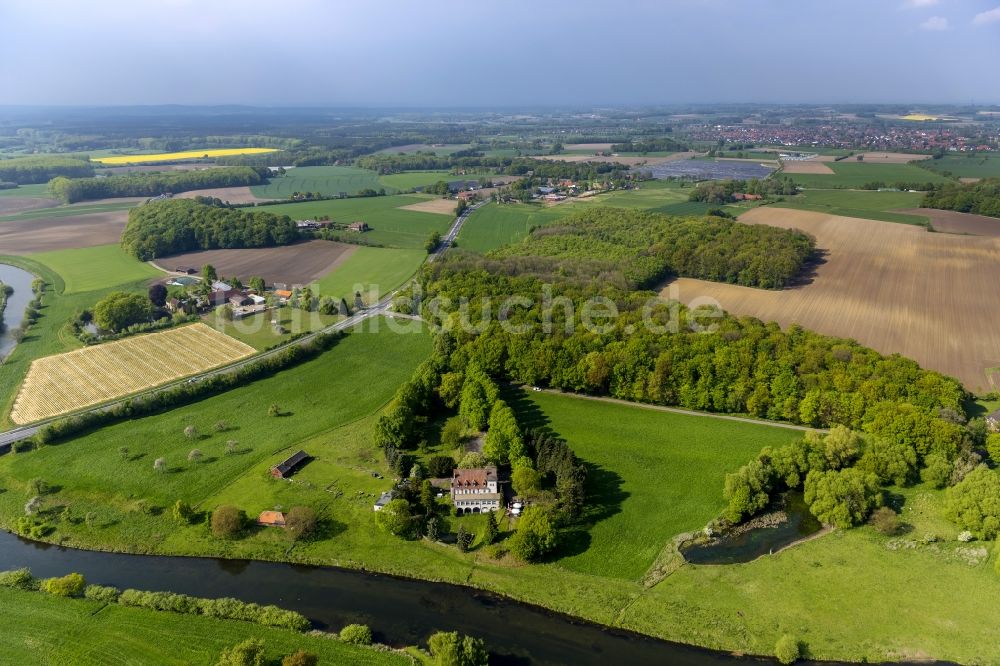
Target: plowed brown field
x=893, y=287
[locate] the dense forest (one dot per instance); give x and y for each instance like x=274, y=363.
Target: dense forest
x=154, y=184
x=162, y=228
x=665, y=354
x=29, y=170
x=649, y=247
x=982, y=198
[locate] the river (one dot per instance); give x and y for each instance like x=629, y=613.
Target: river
x=13, y=314
x=400, y=611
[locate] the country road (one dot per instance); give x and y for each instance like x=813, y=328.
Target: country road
x=8, y=437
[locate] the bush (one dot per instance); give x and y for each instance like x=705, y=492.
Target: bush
x=886, y=521
x=440, y=467
x=227, y=522
x=301, y=521
x=20, y=579
x=787, y=649
x=248, y=653
x=843, y=497
x=974, y=504
x=449, y=649
x=300, y=658
x=535, y=536
x=108, y=595
x=395, y=518
x=357, y=634
x=70, y=585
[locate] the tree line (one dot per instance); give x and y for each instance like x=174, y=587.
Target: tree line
x=162, y=228
x=29, y=170
x=741, y=365
x=153, y=184
x=981, y=198
x=723, y=191
x=648, y=247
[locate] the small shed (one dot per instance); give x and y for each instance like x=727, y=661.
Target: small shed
x=271, y=519
x=358, y=226
x=238, y=300
x=290, y=465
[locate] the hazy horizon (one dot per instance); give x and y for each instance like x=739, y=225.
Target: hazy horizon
x=449, y=54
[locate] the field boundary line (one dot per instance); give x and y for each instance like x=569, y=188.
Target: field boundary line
x=682, y=411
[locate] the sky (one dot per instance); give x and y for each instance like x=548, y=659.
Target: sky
x=481, y=53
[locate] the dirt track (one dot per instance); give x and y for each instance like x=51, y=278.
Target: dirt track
x=61, y=233
x=301, y=263
x=893, y=287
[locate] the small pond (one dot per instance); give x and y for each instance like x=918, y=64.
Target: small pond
x=710, y=170
x=763, y=535
x=13, y=314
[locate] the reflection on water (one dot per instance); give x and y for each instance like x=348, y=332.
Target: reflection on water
x=744, y=546
x=13, y=313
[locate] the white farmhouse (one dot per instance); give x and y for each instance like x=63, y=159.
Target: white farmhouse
x=476, y=490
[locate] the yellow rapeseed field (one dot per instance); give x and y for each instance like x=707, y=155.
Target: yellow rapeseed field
x=919, y=116
x=118, y=160
x=92, y=375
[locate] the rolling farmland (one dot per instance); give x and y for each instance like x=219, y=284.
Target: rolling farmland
x=894, y=287
x=67, y=382
x=853, y=174
x=327, y=180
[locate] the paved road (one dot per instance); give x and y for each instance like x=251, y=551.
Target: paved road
x=8, y=437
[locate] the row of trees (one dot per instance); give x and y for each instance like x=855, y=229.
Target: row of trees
x=982, y=198
x=666, y=355
x=648, y=145
x=174, y=226
x=723, y=191
x=648, y=247
x=153, y=184
x=27, y=170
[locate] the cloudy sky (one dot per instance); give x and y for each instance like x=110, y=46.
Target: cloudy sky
x=497, y=52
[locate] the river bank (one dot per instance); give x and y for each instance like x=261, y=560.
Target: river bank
x=13, y=305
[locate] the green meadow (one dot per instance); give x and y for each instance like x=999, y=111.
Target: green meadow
x=967, y=166
x=91, y=268
x=644, y=463
x=43, y=629
x=850, y=173
x=376, y=270
x=867, y=204
x=391, y=225
x=327, y=180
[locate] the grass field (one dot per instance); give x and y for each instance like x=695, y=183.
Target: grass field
x=43, y=629
x=118, y=160
x=967, y=166
x=90, y=268
x=391, y=226
x=644, y=463
x=410, y=179
x=68, y=382
x=853, y=174
x=327, y=180
x=847, y=595
x=376, y=270
x=258, y=331
x=865, y=204
x=39, y=190
x=495, y=225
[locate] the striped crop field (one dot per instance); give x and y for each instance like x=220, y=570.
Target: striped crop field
x=118, y=160
x=92, y=375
